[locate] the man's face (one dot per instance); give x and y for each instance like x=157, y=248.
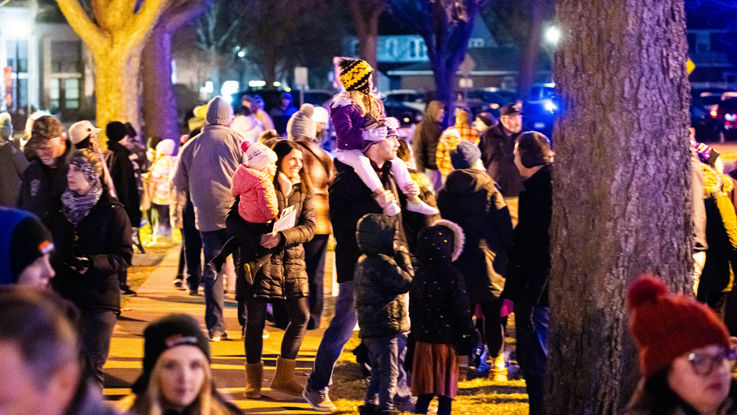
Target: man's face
x=387, y=149
x=440, y=115
x=50, y=150
x=512, y=123
x=20, y=393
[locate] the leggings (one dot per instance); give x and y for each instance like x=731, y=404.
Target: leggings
x=493, y=329
x=423, y=403
x=299, y=314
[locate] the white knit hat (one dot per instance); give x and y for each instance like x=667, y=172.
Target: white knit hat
x=166, y=147
x=301, y=123
x=257, y=155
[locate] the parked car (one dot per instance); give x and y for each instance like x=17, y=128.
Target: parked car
x=272, y=96
x=405, y=114
x=540, y=107
x=704, y=112
x=726, y=117
x=407, y=97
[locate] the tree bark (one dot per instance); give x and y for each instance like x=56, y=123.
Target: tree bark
x=621, y=195
x=159, y=100
x=365, y=15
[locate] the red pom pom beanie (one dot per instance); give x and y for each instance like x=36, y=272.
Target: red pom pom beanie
x=666, y=326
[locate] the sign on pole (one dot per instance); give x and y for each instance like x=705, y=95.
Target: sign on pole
x=300, y=76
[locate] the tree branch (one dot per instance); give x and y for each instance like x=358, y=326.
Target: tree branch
x=177, y=16
x=89, y=32
x=142, y=22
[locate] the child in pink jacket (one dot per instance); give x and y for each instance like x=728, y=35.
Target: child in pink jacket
x=253, y=184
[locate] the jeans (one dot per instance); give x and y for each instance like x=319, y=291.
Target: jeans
x=192, y=247
x=315, y=251
x=293, y=336
x=532, y=350
x=335, y=337
x=384, y=355
x=214, y=301
x=96, y=330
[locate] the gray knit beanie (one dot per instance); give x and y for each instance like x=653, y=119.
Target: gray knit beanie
x=301, y=123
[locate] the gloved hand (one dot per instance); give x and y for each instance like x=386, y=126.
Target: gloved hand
x=376, y=134
x=79, y=264
x=391, y=123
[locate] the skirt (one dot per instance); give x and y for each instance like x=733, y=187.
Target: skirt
x=435, y=370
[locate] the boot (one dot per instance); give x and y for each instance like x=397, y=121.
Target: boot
x=498, y=372
x=418, y=206
x=254, y=376
x=284, y=377
x=390, y=209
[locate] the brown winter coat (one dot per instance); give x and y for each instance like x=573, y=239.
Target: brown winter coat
x=285, y=276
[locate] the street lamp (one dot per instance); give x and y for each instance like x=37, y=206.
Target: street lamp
x=552, y=35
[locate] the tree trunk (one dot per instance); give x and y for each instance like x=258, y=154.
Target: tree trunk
x=444, y=81
x=159, y=100
x=531, y=50
x=621, y=196
x=117, y=86
x=369, y=49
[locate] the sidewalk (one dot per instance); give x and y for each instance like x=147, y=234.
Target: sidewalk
x=158, y=297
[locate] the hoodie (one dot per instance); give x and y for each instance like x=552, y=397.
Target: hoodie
x=206, y=165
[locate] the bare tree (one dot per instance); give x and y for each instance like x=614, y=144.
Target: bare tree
x=159, y=101
x=445, y=26
x=114, y=31
x=621, y=193
x=365, y=15
x=219, y=32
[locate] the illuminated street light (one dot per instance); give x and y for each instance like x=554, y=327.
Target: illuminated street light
x=552, y=35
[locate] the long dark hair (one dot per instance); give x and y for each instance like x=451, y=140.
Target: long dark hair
x=282, y=149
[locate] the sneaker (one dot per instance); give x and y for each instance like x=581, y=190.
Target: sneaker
x=193, y=292
x=177, y=282
x=222, y=337
x=319, y=400
x=367, y=409
x=126, y=290
x=265, y=334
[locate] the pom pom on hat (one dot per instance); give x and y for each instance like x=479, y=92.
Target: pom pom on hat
x=245, y=145
x=646, y=290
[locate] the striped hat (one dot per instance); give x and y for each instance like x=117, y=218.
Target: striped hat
x=355, y=75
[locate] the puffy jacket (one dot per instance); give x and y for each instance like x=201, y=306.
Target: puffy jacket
x=104, y=236
x=426, y=137
x=381, y=280
x=471, y=200
x=284, y=275
x=257, y=202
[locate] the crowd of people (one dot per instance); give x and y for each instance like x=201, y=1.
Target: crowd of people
x=436, y=241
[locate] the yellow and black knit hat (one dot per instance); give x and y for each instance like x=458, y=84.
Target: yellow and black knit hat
x=355, y=75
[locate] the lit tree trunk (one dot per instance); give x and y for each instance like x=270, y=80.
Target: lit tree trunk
x=621, y=195
x=115, y=39
x=159, y=100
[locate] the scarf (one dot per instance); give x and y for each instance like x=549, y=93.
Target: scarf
x=75, y=206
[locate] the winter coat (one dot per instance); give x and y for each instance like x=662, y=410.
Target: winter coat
x=284, y=275
x=103, y=236
x=350, y=199
x=438, y=302
x=471, y=200
x=248, y=127
x=206, y=166
x=257, y=203
x=12, y=166
x=642, y=403
x=42, y=185
x=280, y=116
x=449, y=140
x=529, y=259
x=497, y=154
x=88, y=400
x=348, y=122
x=161, y=172
x=381, y=280
x=124, y=179
x=426, y=137
x=319, y=168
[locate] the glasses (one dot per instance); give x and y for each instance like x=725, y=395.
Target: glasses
x=704, y=363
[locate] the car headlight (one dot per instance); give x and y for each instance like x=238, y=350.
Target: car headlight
x=549, y=105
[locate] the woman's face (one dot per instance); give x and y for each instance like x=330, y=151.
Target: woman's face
x=291, y=164
x=182, y=375
x=691, y=379
x=76, y=181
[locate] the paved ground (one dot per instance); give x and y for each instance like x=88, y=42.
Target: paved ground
x=157, y=297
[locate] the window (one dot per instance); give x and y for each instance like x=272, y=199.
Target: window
x=17, y=51
x=71, y=93
x=66, y=57
x=391, y=48
x=54, y=95
x=413, y=49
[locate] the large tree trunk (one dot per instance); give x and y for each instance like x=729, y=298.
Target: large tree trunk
x=531, y=50
x=369, y=49
x=159, y=100
x=621, y=200
x=117, y=86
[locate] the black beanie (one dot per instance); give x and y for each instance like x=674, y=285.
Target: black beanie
x=465, y=155
x=24, y=240
x=115, y=131
x=534, y=149
x=165, y=333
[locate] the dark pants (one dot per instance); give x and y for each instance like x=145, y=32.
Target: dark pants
x=493, y=328
x=96, y=330
x=181, y=264
x=246, y=237
x=315, y=252
x=192, y=246
x=212, y=242
x=423, y=403
x=384, y=355
x=293, y=336
x=531, y=324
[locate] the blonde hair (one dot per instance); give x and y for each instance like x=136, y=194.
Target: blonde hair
x=152, y=401
x=368, y=104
